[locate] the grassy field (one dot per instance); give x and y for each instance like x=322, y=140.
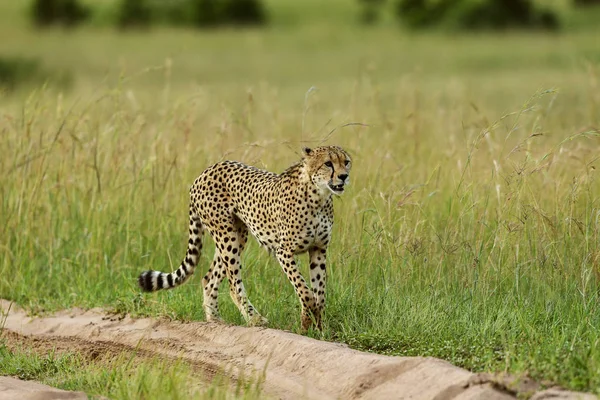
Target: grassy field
x=471, y=229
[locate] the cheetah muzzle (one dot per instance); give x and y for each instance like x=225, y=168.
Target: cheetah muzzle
x=337, y=189
x=289, y=213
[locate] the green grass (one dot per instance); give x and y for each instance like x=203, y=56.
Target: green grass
x=120, y=377
x=470, y=231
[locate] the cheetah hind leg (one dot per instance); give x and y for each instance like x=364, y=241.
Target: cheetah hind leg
x=210, y=285
x=237, y=291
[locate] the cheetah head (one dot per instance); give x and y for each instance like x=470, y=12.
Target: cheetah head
x=328, y=168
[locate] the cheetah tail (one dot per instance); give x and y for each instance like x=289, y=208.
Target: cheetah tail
x=150, y=281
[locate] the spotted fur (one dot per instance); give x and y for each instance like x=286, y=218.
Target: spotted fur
x=289, y=213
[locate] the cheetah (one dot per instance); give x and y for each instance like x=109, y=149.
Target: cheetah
x=289, y=214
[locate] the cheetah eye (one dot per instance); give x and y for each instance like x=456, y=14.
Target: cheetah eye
x=329, y=164
x=346, y=162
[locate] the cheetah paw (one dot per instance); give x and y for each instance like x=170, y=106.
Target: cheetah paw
x=258, y=320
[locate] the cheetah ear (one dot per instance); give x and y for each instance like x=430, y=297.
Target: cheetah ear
x=307, y=150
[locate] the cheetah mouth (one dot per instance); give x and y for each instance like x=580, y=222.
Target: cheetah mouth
x=337, y=189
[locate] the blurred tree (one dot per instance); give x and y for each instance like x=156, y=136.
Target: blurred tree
x=199, y=13
x=206, y=13
x=587, y=2
x=43, y=12
x=475, y=14
x=73, y=12
x=134, y=13
x=423, y=13
x=62, y=12
x=370, y=11
x=244, y=12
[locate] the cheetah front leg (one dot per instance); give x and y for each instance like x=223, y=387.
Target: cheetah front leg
x=318, y=280
x=305, y=295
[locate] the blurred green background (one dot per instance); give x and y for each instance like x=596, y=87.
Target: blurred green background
x=319, y=43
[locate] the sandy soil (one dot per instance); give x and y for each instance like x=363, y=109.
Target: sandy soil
x=11, y=389
x=291, y=366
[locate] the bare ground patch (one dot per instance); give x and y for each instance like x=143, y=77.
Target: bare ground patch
x=289, y=366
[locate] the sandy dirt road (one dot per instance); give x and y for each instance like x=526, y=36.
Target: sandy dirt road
x=291, y=366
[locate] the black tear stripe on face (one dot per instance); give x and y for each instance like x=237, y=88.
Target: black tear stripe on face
x=340, y=159
x=332, y=168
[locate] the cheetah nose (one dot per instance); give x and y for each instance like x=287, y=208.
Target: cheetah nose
x=343, y=177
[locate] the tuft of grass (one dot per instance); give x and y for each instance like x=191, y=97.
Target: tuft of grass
x=120, y=376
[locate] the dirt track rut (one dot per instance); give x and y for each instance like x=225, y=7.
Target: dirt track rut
x=292, y=366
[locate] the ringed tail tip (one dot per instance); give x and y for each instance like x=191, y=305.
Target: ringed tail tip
x=145, y=281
